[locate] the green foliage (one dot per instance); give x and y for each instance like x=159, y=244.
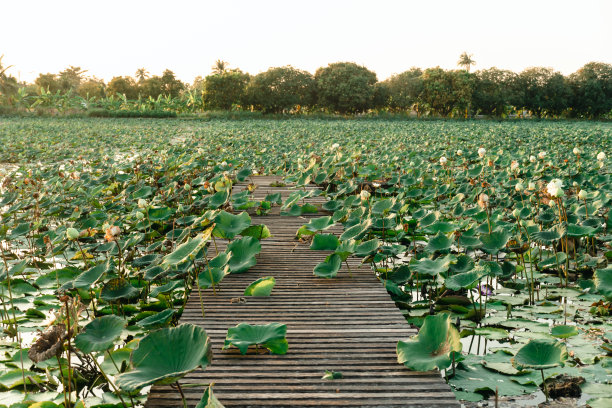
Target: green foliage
x=279, y=90
x=346, y=87
x=224, y=90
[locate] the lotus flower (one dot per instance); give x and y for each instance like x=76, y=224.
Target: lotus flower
x=459, y=152
x=601, y=156
x=542, y=155
x=442, y=160
x=485, y=290
x=554, y=188
x=514, y=165
x=576, y=151
x=142, y=203
x=532, y=159
x=483, y=199
x=335, y=146
x=519, y=187
x=364, y=195
x=482, y=151
x=531, y=186
x=582, y=195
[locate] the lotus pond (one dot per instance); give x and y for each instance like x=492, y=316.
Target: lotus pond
x=492, y=237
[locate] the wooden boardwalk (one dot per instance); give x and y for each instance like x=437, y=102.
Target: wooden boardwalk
x=344, y=324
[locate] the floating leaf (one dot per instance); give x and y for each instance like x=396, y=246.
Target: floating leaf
x=261, y=287
x=270, y=336
x=100, y=334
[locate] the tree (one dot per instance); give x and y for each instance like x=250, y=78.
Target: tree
x=542, y=91
x=466, y=61
x=222, y=91
x=123, y=86
x=141, y=74
x=591, y=90
x=48, y=82
x=8, y=84
x=220, y=67
x=345, y=87
x=492, y=91
x=405, y=90
x=171, y=86
x=445, y=91
x=151, y=87
x=92, y=88
x=70, y=78
x=281, y=89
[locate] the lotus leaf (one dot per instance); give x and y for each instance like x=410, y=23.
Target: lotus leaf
x=330, y=267
x=229, y=225
x=261, y=287
x=242, y=254
x=100, y=334
x=324, y=242
x=540, y=354
x=270, y=336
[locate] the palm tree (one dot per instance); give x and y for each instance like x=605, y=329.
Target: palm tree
x=220, y=67
x=466, y=61
x=3, y=69
x=142, y=74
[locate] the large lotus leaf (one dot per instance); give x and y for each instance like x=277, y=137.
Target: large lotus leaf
x=212, y=275
x=367, y=248
x=356, y=230
x=439, y=243
x=166, y=355
x=547, y=237
x=469, y=242
x=324, y=242
x=218, y=199
x=603, y=282
x=564, y=331
x=493, y=242
x=257, y=231
x=320, y=224
x=209, y=400
x=382, y=206
x=432, y=347
x=579, y=231
x=88, y=278
x=464, y=280
x=345, y=249
x=242, y=254
x=160, y=214
x=100, y=334
x=157, y=320
x=229, y=225
x=187, y=251
x=329, y=268
x=270, y=336
x=464, y=263
x=540, y=354
x=261, y=287
x=118, y=289
x=432, y=267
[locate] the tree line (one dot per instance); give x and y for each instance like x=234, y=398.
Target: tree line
x=342, y=87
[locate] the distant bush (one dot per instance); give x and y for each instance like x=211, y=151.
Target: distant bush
x=105, y=113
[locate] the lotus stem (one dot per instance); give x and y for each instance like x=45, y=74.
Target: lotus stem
x=108, y=380
x=544, y=385
x=62, y=378
x=182, y=395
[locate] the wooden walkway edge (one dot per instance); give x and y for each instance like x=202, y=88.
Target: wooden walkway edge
x=349, y=325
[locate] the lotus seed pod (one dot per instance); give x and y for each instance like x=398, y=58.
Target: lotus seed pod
x=72, y=234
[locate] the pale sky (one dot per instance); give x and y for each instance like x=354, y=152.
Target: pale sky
x=111, y=38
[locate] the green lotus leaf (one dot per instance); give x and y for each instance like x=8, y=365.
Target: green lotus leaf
x=547, y=237
x=603, y=282
x=324, y=242
x=432, y=347
x=261, y=287
x=244, y=173
x=229, y=225
x=270, y=336
x=579, y=231
x=118, y=289
x=212, y=276
x=100, y=334
x=382, y=206
x=432, y=267
x=219, y=198
x=491, y=333
x=320, y=224
x=242, y=254
x=157, y=320
x=88, y=278
x=564, y=331
x=492, y=243
x=464, y=280
x=257, y=231
x=469, y=242
x=439, y=243
x=209, y=400
x=367, y=248
x=540, y=354
x=160, y=214
x=464, y=264
x=184, y=252
x=356, y=230
x=329, y=268
x=166, y=355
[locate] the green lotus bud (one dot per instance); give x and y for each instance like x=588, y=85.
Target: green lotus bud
x=139, y=215
x=187, y=187
x=516, y=213
x=142, y=203
x=72, y=234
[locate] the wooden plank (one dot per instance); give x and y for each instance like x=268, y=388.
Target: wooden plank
x=346, y=324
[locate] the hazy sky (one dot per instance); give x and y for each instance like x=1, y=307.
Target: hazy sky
x=110, y=38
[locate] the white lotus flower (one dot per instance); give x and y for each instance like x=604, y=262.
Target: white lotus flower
x=554, y=188
x=459, y=152
x=542, y=155
x=601, y=156
x=576, y=151
x=532, y=159
x=376, y=185
x=519, y=187
x=482, y=151
x=443, y=160
x=364, y=195
x=514, y=165
x=531, y=186
x=582, y=195
x=142, y=203
x=335, y=146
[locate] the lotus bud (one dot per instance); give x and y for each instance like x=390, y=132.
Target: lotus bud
x=364, y=195
x=500, y=152
x=532, y=158
x=519, y=187
x=115, y=231
x=516, y=213
x=142, y=203
x=575, y=184
x=554, y=188
x=601, y=156
x=582, y=195
x=442, y=160
x=531, y=186
x=72, y=234
x=335, y=146
x=482, y=151
x=459, y=152
x=187, y=187
x=576, y=151
x=542, y=155
x=139, y=215
x=514, y=165
x=483, y=199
